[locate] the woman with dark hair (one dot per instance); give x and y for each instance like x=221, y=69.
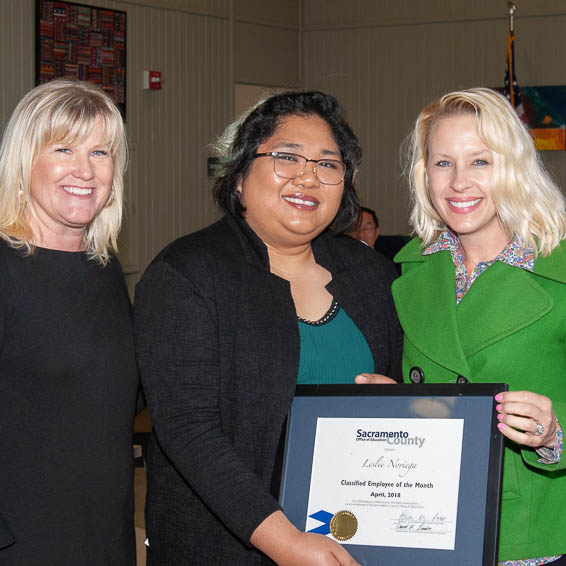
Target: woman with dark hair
x=231, y=318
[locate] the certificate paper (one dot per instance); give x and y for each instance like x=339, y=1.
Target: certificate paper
x=397, y=478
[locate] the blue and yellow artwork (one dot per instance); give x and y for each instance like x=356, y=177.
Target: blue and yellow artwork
x=544, y=111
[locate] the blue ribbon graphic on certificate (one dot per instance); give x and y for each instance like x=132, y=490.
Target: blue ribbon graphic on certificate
x=324, y=517
x=395, y=480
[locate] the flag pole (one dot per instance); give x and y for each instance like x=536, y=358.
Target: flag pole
x=512, y=9
x=511, y=88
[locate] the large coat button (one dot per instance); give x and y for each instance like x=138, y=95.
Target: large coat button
x=416, y=374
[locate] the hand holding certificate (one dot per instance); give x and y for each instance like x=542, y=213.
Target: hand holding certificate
x=287, y=546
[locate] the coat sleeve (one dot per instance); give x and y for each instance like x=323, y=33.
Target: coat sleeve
x=176, y=326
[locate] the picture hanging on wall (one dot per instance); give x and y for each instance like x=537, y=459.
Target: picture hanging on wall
x=83, y=42
x=543, y=110
x=545, y=113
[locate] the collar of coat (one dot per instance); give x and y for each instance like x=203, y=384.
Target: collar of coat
x=343, y=256
x=502, y=301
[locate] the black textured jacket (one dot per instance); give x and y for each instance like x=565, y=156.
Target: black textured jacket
x=218, y=349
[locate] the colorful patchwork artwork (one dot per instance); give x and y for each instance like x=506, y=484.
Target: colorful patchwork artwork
x=84, y=42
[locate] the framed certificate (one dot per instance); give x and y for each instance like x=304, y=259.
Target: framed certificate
x=398, y=474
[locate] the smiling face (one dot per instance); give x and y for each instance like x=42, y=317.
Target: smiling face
x=460, y=172
x=291, y=212
x=70, y=184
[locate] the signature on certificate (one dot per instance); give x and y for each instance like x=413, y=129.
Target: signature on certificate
x=420, y=523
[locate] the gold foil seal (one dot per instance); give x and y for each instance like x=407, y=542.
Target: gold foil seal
x=343, y=525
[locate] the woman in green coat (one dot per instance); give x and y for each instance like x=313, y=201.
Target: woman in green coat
x=482, y=298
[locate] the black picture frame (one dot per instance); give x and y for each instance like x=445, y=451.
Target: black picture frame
x=477, y=528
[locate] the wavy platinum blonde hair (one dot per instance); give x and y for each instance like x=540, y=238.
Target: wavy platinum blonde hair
x=527, y=200
x=61, y=111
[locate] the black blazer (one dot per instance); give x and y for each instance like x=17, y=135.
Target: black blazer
x=218, y=349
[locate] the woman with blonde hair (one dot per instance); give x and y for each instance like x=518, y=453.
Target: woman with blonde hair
x=68, y=378
x=482, y=297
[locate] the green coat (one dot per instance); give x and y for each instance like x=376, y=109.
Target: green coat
x=509, y=327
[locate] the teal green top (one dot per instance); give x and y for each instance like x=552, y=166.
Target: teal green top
x=333, y=352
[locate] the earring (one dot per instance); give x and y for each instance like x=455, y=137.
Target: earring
x=110, y=200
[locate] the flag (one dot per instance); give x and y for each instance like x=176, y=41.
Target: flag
x=510, y=85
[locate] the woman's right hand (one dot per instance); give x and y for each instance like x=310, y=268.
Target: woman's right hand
x=287, y=546
x=309, y=549
x=373, y=378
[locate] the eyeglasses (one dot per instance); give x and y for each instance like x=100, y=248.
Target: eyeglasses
x=293, y=165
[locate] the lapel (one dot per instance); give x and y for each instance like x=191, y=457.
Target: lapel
x=502, y=301
x=344, y=285
x=485, y=316
x=425, y=297
x=265, y=309
x=554, y=266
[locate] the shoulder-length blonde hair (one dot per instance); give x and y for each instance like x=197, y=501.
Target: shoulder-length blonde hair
x=527, y=200
x=63, y=110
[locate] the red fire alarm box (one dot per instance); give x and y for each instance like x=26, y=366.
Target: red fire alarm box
x=152, y=80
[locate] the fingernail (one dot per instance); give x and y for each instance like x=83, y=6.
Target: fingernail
x=499, y=397
x=498, y=407
x=500, y=416
x=501, y=426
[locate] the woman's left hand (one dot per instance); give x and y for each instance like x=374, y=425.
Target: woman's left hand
x=373, y=378
x=526, y=418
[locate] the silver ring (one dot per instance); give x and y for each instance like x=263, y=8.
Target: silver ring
x=539, y=430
